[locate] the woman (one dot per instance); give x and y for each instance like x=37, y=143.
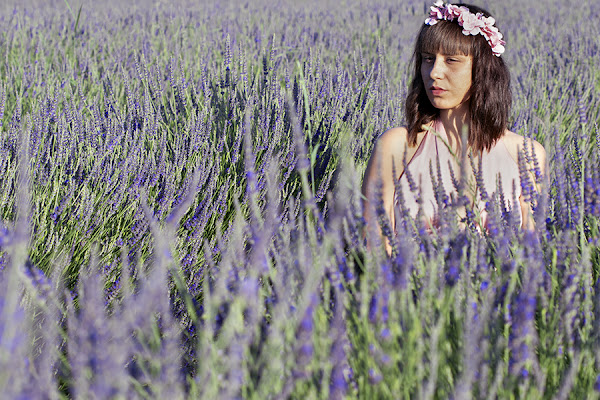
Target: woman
x=460, y=84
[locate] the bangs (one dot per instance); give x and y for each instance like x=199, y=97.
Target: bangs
x=445, y=38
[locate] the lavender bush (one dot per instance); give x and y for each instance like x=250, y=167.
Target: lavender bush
x=181, y=215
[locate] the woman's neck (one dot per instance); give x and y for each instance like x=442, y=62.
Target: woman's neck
x=455, y=121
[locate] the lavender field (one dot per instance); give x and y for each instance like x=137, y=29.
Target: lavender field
x=180, y=208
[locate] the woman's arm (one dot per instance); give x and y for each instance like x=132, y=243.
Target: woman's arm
x=384, y=168
x=540, y=183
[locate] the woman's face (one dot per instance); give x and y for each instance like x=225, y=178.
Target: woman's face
x=447, y=79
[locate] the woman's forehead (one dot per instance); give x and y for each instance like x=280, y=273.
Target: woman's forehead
x=444, y=39
x=449, y=47
x=446, y=54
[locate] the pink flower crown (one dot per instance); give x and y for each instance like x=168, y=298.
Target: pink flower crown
x=472, y=24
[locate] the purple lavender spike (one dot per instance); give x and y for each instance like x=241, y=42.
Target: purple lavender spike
x=338, y=385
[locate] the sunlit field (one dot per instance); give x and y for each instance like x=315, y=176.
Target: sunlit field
x=180, y=208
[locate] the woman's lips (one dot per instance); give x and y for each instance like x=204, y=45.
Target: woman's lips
x=436, y=91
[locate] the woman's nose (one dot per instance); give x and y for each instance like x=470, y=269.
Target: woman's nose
x=436, y=69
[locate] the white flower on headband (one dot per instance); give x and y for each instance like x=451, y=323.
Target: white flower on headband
x=472, y=24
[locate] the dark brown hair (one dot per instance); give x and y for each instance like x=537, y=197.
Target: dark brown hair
x=491, y=97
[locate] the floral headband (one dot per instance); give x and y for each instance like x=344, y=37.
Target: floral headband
x=472, y=24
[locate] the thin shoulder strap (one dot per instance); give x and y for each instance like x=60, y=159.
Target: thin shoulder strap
x=411, y=154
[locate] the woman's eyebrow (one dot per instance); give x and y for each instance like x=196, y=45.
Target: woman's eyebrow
x=455, y=55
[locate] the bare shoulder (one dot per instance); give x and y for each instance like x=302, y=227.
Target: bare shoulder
x=388, y=154
x=391, y=144
x=393, y=137
x=514, y=143
x=394, y=142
